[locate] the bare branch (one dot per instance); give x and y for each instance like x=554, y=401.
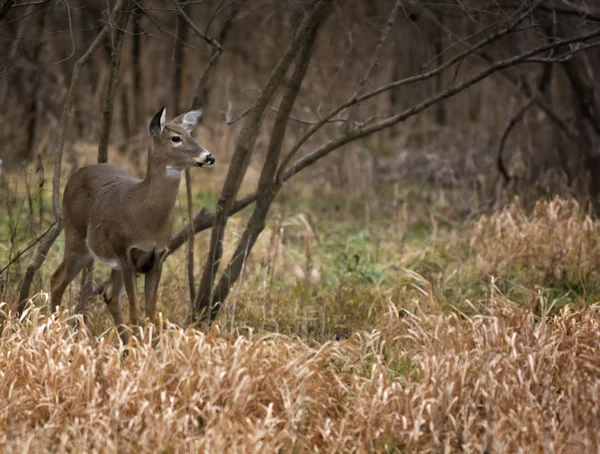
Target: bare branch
x=509, y=127
x=309, y=122
x=159, y=27
x=573, y=11
x=520, y=17
x=417, y=108
x=204, y=77
x=19, y=254
x=233, y=120
x=197, y=31
x=383, y=40
x=205, y=219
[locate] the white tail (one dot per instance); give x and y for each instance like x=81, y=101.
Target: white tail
x=125, y=222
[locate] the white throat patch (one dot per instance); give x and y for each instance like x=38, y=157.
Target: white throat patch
x=173, y=173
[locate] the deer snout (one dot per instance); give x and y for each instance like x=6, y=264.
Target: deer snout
x=205, y=159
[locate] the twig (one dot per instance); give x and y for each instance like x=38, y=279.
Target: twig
x=158, y=26
x=574, y=11
x=113, y=83
x=210, y=40
x=309, y=122
x=191, y=240
x=337, y=73
x=16, y=257
x=230, y=120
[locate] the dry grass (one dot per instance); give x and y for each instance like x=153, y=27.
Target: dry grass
x=500, y=381
x=424, y=369
x=557, y=241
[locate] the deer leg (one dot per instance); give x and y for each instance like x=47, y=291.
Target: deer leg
x=112, y=297
x=70, y=267
x=151, y=281
x=129, y=277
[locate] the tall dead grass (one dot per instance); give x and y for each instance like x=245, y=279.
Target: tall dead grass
x=504, y=380
x=558, y=240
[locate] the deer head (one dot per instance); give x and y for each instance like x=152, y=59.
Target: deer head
x=173, y=147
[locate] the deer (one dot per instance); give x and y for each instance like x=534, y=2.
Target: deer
x=126, y=222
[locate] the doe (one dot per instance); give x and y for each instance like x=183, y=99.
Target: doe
x=125, y=222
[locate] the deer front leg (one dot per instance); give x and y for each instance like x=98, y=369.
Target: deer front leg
x=129, y=277
x=151, y=281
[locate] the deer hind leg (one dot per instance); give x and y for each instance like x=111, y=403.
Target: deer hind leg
x=112, y=298
x=74, y=261
x=151, y=280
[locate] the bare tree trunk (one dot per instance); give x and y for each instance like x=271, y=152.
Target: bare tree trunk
x=136, y=50
x=48, y=240
x=268, y=186
x=113, y=80
x=243, y=151
x=587, y=105
x=37, y=77
x=440, y=108
x=4, y=7
x=179, y=57
x=179, y=60
x=126, y=119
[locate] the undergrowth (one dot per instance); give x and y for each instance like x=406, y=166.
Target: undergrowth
x=416, y=330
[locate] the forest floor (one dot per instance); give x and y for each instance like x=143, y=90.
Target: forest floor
x=410, y=325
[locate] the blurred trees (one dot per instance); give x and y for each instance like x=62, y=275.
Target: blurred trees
x=495, y=80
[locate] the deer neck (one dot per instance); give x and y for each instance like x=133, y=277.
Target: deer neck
x=159, y=188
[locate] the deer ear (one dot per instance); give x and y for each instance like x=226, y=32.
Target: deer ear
x=157, y=124
x=189, y=120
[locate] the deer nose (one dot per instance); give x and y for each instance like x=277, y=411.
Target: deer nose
x=210, y=160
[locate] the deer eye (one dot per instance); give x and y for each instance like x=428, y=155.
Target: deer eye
x=175, y=139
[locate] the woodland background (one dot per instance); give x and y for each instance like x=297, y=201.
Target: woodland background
x=404, y=216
